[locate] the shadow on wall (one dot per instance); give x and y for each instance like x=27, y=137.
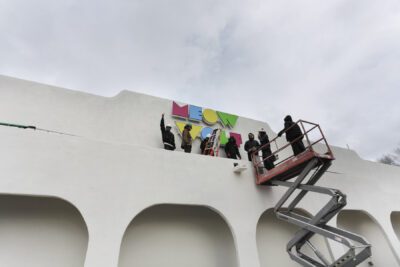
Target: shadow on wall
x=395, y=218
x=362, y=223
x=41, y=231
x=179, y=236
x=274, y=234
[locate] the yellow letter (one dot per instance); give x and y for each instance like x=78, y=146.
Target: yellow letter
x=210, y=116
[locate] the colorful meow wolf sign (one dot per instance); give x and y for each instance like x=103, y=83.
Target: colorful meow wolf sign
x=209, y=117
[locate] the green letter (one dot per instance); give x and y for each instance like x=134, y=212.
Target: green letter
x=227, y=119
x=223, y=138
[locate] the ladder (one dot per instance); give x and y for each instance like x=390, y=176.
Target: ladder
x=358, y=249
x=213, y=144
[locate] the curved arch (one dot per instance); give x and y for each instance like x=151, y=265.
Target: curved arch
x=178, y=235
x=395, y=219
x=41, y=230
x=273, y=235
x=363, y=223
x=217, y=211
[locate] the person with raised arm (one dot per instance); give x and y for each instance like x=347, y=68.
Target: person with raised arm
x=168, y=137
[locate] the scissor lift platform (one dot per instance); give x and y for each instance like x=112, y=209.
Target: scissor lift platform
x=292, y=167
x=308, y=167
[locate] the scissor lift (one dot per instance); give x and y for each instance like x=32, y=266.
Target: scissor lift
x=309, y=166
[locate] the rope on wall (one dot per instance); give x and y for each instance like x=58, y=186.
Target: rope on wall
x=20, y=126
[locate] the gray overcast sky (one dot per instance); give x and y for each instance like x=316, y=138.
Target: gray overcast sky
x=333, y=62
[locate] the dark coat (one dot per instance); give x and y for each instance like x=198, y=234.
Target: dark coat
x=249, y=145
x=186, y=138
x=292, y=133
x=266, y=151
x=203, y=144
x=232, y=150
x=168, y=138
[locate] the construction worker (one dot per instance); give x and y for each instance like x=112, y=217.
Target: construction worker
x=251, y=145
x=187, y=139
x=168, y=137
x=266, y=150
x=204, y=143
x=294, y=135
x=231, y=149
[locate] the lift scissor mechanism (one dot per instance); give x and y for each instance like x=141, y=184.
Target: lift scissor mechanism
x=309, y=166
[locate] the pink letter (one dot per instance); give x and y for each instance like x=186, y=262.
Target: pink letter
x=238, y=138
x=179, y=111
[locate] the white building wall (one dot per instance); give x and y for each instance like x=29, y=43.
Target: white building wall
x=160, y=235
x=41, y=232
x=272, y=237
x=395, y=216
x=114, y=169
x=360, y=223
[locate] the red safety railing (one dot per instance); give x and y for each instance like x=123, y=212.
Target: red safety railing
x=313, y=136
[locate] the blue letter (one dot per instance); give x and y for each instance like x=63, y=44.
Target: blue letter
x=195, y=113
x=205, y=132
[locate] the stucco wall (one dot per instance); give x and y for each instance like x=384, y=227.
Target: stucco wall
x=128, y=117
x=395, y=217
x=361, y=223
x=41, y=232
x=114, y=169
x=272, y=237
x=180, y=236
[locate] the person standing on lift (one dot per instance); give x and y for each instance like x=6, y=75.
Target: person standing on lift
x=266, y=151
x=251, y=145
x=293, y=132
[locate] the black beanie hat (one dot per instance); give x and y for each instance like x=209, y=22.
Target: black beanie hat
x=288, y=118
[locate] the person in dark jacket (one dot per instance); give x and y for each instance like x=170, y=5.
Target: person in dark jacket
x=204, y=143
x=266, y=150
x=231, y=149
x=168, y=137
x=293, y=132
x=187, y=139
x=251, y=145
